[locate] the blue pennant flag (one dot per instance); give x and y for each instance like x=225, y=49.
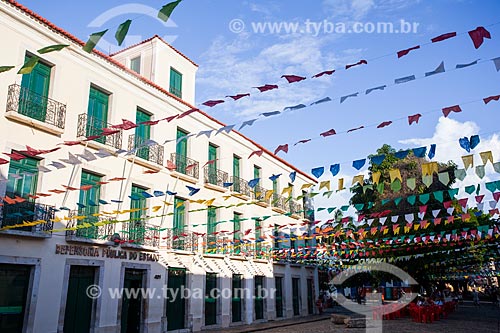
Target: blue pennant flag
x=171, y=193
x=432, y=151
x=274, y=177
x=335, y=169
x=192, y=190
x=227, y=184
x=419, y=152
x=292, y=176
x=358, y=164
x=252, y=183
x=146, y=195
x=377, y=160
x=401, y=154
x=317, y=172
x=103, y=202
x=158, y=193
x=474, y=141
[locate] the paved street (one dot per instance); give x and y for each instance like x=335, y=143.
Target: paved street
x=485, y=319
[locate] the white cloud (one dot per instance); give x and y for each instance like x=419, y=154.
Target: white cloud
x=446, y=136
x=232, y=67
x=352, y=9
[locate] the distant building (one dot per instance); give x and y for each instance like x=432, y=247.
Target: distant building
x=168, y=239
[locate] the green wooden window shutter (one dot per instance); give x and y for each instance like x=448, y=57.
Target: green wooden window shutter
x=236, y=225
x=97, y=113
x=27, y=170
x=211, y=220
x=175, y=83
x=33, y=97
x=179, y=215
x=142, y=133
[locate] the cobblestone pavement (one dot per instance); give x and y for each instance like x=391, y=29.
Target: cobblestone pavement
x=485, y=319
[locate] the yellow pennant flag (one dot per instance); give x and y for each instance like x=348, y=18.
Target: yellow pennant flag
x=341, y=184
x=486, y=156
x=468, y=161
x=325, y=184
x=287, y=190
x=268, y=195
x=395, y=174
x=306, y=186
x=357, y=180
x=416, y=226
x=376, y=177
x=209, y=202
x=396, y=230
x=156, y=208
x=429, y=168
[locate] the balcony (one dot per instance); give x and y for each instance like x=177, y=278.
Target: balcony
x=259, y=194
x=140, y=233
x=215, y=176
x=287, y=205
x=151, y=153
x=17, y=214
x=91, y=127
x=89, y=228
x=185, y=165
x=178, y=239
x=240, y=186
x=24, y=102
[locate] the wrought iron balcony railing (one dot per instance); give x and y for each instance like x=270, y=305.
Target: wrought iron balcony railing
x=185, y=165
x=259, y=194
x=280, y=203
x=140, y=233
x=215, y=176
x=175, y=91
x=17, y=214
x=178, y=239
x=86, y=228
x=91, y=127
x=35, y=106
x=240, y=186
x=296, y=208
x=152, y=153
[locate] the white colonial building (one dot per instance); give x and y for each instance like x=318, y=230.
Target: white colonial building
x=116, y=207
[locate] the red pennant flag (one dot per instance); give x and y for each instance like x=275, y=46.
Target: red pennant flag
x=496, y=196
x=448, y=110
x=384, y=124
x=186, y=113
x=212, y=103
x=293, y=78
x=328, y=133
x=209, y=162
x=171, y=166
x=356, y=64
x=414, y=119
x=2, y=161
x=15, y=156
x=324, y=73
x=125, y=125
x=437, y=221
x=8, y=200
x=302, y=141
x=463, y=202
x=283, y=148
x=355, y=129
x=423, y=209
x=405, y=52
x=257, y=153
x=149, y=122
x=447, y=204
x=479, y=198
x=267, y=87
x=85, y=187
x=169, y=119
x=237, y=97
x=109, y=131
x=70, y=143
x=477, y=35
x=491, y=98
x=116, y=179
x=443, y=37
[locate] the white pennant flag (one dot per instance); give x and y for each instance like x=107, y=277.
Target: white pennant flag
x=394, y=219
x=450, y=210
x=493, y=204
x=436, y=212
x=369, y=222
x=480, y=206
x=409, y=217
x=421, y=215
x=382, y=220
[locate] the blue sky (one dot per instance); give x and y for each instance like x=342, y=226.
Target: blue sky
x=232, y=63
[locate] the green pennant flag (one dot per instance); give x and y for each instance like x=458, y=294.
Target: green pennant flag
x=380, y=187
x=122, y=31
x=167, y=10
x=93, y=40
x=331, y=209
x=396, y=185
x=427, y=180
x=367, y=187
x=29, y=65
x=344, y=208
x=438, y=195
x=478, y=189
x=52, y=48
x=385, y=201
x=453, y=192
x=411, y=183
x=313, y=194
x=498, y=184
x=397, y=201
x=370, y=204
x=412, y=199
x=359, y=207
x=424, y=198
x=5, y=68
x=470, y=189
x=320, y=209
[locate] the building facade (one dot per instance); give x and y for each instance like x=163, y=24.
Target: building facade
x=135, y=198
